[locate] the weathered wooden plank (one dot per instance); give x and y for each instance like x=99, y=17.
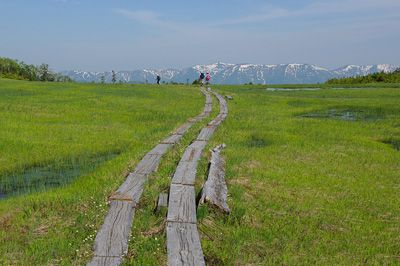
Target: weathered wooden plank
x=182, y=129
x=132, y=188
x=206, y=133
x=218, y=120
x=182, y=204
x=111, y=242
x=162, y=200
x=173, y=139
x=185, y=173
x=215, y=190
x=162, y=204
x=112, y=238
x=193, y=152
x=183, y=244
x=208, y=98
x=148, y=164
x=208, y=108
x=105, y=261
x=160, y=149
x=222, y=104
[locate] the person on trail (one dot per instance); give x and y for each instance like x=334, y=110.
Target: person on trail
x=208, y=78
x=158, y=79
x=202, y=76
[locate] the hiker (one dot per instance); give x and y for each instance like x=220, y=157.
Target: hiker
x=208, y=78
x=158, y=79
x=201, y=78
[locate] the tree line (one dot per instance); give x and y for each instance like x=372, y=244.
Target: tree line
x=380, y=77
x=14, y=69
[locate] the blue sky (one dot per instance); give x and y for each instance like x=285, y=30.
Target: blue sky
x=101, y=35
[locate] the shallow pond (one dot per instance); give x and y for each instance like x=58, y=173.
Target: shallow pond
x=293, y=89
x=39, y=178
x=348, y=114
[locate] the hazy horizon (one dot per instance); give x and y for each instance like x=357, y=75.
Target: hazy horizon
x=128, y=35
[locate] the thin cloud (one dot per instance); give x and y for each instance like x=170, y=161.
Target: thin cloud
x=317, y=8
x=150, y=18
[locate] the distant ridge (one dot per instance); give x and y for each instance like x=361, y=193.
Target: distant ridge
x=224, y=73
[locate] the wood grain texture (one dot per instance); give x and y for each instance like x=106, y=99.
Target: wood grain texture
x=206, y=133
x=185, y=173
x=111, y=242
x=112, y=238
x=183, y=241
x=183, y=244
x=215, y=190
x=182, y=204
x=148, y=164
x=162, y=204
x=208, y=108
x=132, y=188
x=105, y=261
x=208, y=98
x=193, y=152
x=160, y=149
x=173, y=139
x=182, y=129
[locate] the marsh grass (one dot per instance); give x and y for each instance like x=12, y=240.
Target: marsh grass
x=48, y=127
x=324, y=191
x=301, y=191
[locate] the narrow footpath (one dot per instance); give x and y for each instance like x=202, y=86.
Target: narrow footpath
x=183, y=241
x=111, y=242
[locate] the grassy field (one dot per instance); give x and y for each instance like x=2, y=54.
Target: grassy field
x=313, y=176
x=54, y=128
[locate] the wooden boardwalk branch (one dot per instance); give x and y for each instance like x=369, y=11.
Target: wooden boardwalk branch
x=183, y=241
x=111, y=242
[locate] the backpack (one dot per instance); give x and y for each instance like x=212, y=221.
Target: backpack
x=202, y=75
x=208, y=78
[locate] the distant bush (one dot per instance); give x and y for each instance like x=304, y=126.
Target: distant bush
x=380, y=77
x=14, y=69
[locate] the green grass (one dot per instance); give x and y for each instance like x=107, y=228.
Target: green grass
x=307, y=190
x=62, y=126
x=302, y=190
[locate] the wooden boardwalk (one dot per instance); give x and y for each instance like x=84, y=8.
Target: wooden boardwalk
x=111, y=242
x=183, y=241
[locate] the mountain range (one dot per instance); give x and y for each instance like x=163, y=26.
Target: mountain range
x=223, y=73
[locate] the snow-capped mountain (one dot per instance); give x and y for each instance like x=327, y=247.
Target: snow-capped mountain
x=223, y=73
